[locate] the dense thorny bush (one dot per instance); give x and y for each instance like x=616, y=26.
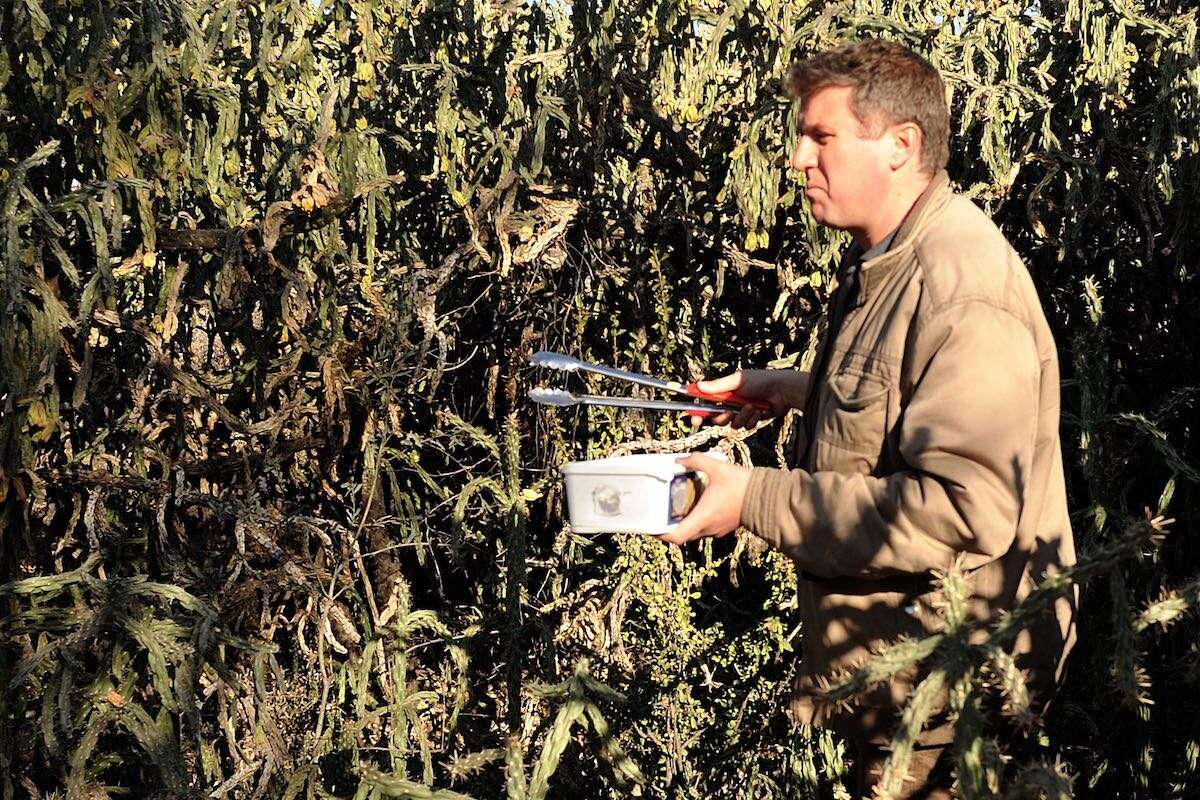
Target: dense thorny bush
x=277, y=518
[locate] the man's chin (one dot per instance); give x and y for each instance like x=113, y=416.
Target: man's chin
x=823, y=214
x=818, y=211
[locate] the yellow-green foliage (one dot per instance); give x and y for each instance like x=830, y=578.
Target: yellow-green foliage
x=276, y=519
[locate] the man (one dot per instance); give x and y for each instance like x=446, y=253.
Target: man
x=931, y=420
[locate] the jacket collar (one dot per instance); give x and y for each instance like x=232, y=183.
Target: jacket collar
x=932, y=200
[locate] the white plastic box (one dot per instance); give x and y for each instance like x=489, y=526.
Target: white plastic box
x=646, y=493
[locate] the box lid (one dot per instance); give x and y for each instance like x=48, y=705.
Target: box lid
x=662, y=466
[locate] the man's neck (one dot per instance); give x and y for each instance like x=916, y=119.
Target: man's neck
x=894, y=210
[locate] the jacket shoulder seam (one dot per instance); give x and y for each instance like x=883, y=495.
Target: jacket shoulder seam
x=929, y=316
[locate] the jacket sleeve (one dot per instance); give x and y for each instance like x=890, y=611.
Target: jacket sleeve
x=966, y=439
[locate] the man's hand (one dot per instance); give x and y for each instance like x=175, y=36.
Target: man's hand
x=719, y=509
x=781, y=389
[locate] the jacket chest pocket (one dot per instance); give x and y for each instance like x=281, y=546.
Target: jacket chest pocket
x=852, y=423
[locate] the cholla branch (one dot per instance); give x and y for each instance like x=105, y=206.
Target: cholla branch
x=921, y=706
x=625, y=770
x=1169, y=608
x=556, y=742
x=395, y=786
x=1137, y=536
x=1127, y=671
x=885, y=665
x=954, y=662
x=952, y=595
x=471, y=763
x=578, y=691
x=1013, y=685
x=515, y=784
x=954, y=671
x=978, y=759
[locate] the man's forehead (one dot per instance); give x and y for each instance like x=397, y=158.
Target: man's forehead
x=829, y=107
x=828, y=103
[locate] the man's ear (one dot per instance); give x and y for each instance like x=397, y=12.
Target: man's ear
x=907, y=139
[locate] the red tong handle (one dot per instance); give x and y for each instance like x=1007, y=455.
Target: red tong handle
x=731, y=398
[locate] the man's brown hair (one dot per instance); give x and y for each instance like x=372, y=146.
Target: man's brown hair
x=892, y=85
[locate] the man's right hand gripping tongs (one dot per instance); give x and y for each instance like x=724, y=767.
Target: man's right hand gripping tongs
x=723, y=402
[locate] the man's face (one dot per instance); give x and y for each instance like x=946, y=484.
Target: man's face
x=848, y=174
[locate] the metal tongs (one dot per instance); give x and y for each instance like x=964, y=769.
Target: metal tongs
x=722, y=402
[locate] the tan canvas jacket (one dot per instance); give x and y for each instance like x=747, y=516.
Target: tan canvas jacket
x=934, y=434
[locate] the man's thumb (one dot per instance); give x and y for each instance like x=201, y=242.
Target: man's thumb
x=696, y=461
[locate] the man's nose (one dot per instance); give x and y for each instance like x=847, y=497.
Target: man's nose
x=802, y=156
